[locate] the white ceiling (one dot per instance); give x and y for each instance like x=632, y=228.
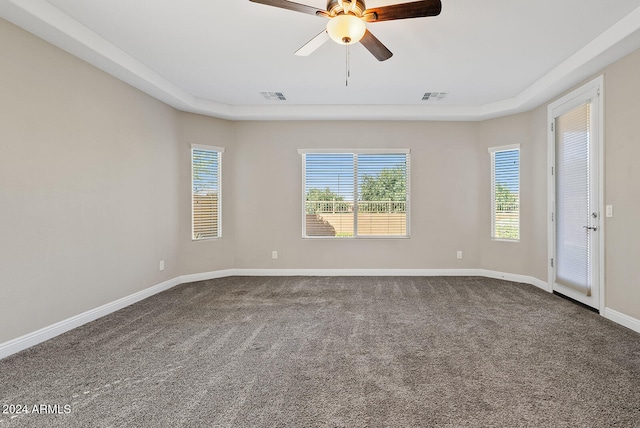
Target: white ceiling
x=215, y=57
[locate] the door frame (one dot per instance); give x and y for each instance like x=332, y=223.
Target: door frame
x=595, y=86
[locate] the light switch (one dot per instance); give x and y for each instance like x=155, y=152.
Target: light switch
x=609, y=211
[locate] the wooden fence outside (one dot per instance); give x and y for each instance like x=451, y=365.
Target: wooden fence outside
x=369, y=224
x=205, y=216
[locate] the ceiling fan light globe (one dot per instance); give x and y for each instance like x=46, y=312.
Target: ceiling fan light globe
x=346, y=29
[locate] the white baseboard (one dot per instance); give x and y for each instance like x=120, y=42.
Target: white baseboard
x=396, y=272
x=39, y=336
x=356, y=272
x=203, y=276
x=49, y=332
x=622, y=319
x=514, y=277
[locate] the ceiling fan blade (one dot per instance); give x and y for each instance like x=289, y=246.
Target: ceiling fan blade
x=416, y=9
x=313, y=44
x=297, y=7
x=375, y=46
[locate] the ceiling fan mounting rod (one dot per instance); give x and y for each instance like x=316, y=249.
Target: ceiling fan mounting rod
x=340, y=7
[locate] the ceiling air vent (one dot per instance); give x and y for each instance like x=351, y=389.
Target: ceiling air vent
x=433, y=96
x=273, y=96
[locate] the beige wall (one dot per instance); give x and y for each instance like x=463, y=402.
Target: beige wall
x=621, y=188
x=95, y=190
x=211, y=254
x=445, y=195
x=527, y=256
x=88, y=189
x=622, y=185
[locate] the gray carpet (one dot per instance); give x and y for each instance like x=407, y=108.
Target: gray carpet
x=334, y=352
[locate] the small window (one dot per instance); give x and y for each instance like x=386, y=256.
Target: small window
x=505, y=192
x=355, y=194
x=206, y=191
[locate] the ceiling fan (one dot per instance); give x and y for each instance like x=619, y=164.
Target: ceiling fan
x=347, y=21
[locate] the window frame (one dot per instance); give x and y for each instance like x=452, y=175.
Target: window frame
x=355, y=153
x=492, y=153
x=220, y=151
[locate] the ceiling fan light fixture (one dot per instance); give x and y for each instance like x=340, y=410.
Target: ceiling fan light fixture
x=346, y=29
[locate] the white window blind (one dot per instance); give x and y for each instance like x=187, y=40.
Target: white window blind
x=573, y=205
x=505, y=192
x=206, y=191
x=355, y=193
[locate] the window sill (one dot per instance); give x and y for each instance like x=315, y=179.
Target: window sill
x=352, y=238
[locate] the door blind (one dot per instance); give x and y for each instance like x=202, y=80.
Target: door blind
x=573, y=205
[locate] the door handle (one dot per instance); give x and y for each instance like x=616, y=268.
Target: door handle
x=594, y=228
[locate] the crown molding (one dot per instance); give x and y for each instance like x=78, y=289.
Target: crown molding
x=51, y=24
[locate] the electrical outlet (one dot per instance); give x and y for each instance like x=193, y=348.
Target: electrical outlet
x=161, y=264
x=459, y=255
x=274, y=254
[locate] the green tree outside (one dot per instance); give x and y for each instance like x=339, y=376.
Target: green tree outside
x=506, y=204
x=506, y=200
x=323, y=195
x=326, y=201
x=390, y=185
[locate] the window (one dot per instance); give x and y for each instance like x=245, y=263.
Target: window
x=355, y=194
x=206, y=191
x=505, y=192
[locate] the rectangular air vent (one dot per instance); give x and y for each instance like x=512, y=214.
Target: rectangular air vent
x=273, y=96
x=433, y=96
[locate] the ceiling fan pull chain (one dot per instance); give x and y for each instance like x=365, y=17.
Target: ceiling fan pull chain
x=348, y=68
